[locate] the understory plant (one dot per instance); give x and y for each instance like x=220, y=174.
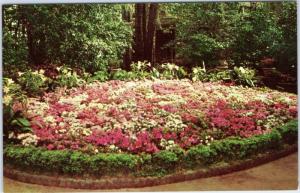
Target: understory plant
x=172, y=71
x=244, y=76
x=67, y=78
x=157, y=164
x=33, y=82
x=14, y=102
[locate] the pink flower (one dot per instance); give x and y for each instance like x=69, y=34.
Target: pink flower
x=50, y=147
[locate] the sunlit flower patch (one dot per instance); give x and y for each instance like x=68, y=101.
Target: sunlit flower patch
x=149, y=116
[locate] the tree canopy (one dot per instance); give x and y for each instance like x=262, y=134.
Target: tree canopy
x=97, y=36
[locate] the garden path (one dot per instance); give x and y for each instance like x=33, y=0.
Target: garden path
x=281, y=174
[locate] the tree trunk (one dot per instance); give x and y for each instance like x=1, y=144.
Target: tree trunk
x=127, y=56
x=150, y=41
x=30, y=45
x=139, y=32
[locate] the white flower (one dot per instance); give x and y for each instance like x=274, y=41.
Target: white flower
x=171, y=142
x=42, y=71
x=20, y=73
x=28, y=139
x=61, y=124
x=11, y=135
x=10, y=81
x=49, y=119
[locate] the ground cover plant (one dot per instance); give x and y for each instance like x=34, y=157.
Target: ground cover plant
x=150, y=116
x=147, y=127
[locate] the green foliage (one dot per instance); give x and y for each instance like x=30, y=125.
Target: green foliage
x=172, y=71
x=88, y=35
x=69, y=162
x=166, y=157
x=140, y=69
x=225, y=75
x=158, y=164
x=22, y=123
x=242, y=33
x=101, y=76
x=241, y=75
x=123, y=75
x=12, y=92
x=201, y=155
x=286, y=50
x=289, y=132
x=202, y=29
x=267, y=30
x=67, y=78
x=154, y=73
x=12, y=119
x=33, y=82
x=14, y=42
x=245, y=76
x=199, y=74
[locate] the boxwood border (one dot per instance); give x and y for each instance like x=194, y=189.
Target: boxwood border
x=78, y=165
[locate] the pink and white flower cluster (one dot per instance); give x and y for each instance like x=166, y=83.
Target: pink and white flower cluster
x=148, y=116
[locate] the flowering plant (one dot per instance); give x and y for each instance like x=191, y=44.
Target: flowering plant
x=153, y=115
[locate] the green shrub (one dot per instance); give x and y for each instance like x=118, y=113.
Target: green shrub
x=101, y=76
x=154, y=74
x=13, y=94
x=165, y=160
x=77, y=163
x=158, y=164
x=172, y=71
x=140, y=66
x=199, y=74
x=55, y=160
x=33, y=82
x=112, y=163
x=225, y=75
x=201, y=155
x=67, y=78
x=244, y=76
x=123, y=75
x=289, y=132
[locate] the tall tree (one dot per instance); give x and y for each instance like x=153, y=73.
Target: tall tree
x=140, y=24
x=150, y=38
x=145, y=29
x=82, y=35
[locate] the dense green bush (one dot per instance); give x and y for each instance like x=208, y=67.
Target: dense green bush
x=172, y=71
x=240, y=75
x=161, y=163
x=244, y=76
x=14, y=101
x=78, y=35
x=166, y=159
x=201, y=155
x=140, y=69
x=123, y=75
x=289, y=132
x=33, y=82
x=101, y=76
x=67, y=78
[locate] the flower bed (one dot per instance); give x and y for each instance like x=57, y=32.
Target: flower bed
x=154, y=125
x=75, y=163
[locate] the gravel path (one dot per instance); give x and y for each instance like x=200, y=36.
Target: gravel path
x=281, y=174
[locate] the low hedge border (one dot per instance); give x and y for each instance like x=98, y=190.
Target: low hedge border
x=78, y=164
x=131, y=182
